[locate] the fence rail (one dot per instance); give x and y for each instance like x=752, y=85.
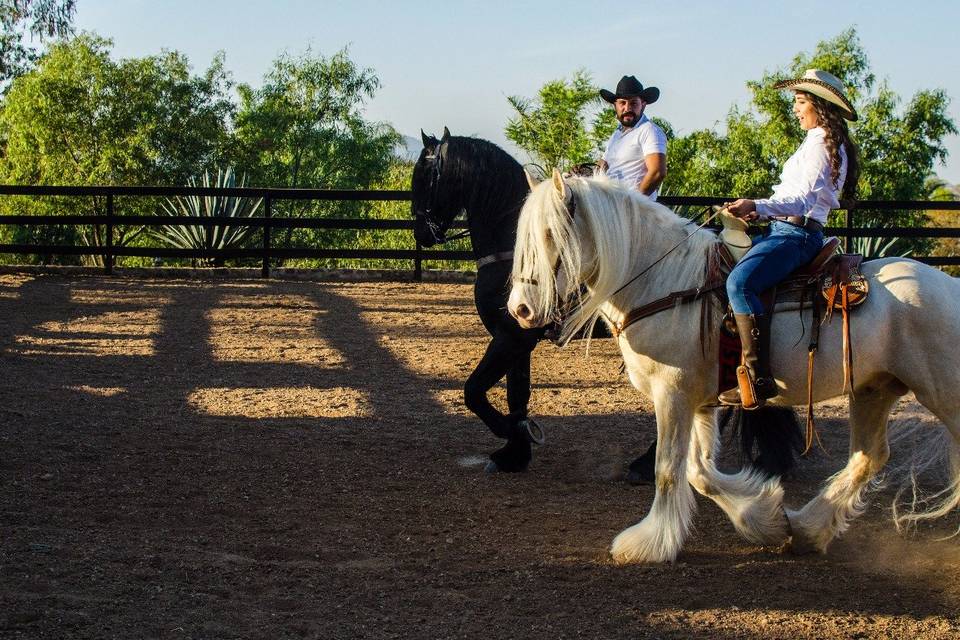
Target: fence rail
x=266, y=253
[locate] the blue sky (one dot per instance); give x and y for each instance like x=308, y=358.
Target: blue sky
x=453, y=63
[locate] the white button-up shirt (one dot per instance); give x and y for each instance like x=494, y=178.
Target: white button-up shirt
x=805, y=187
x=627, y=149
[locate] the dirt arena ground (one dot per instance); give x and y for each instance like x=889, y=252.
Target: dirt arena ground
x=247, y=459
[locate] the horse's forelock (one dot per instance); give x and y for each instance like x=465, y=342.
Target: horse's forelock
x=545, y=232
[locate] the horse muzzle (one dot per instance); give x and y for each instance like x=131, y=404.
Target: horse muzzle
x=425, y=233
x=524, y=313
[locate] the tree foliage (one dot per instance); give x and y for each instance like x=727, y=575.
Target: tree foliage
x=304, y=127
x=80, y=118
x=41, y=19
x=554, y=129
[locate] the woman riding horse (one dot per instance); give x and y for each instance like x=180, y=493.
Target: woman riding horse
x=822, y=170
x=460, y=174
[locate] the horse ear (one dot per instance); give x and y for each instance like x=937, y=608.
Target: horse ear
x=446, y=135
x=559, y=184
x=427, y=140
x=533, y=182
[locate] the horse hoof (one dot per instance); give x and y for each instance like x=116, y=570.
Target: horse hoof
x=799, y=544
x=513, y=457
x=492, y=467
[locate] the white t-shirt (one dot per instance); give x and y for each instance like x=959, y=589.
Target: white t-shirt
x=627, y=149
x=805, y=187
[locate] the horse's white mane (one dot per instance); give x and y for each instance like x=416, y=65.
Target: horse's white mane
x=618, y=233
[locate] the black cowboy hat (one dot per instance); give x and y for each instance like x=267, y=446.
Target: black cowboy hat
x=629, y=87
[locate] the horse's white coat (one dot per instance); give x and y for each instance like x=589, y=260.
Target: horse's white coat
x=906, y=336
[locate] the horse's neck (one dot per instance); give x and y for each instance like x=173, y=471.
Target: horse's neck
x=490, y=234
x=682, y=265
x=492, y=224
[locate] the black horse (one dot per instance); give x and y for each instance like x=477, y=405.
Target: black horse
x=459, y=174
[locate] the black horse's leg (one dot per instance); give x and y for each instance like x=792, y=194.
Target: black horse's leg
x=518, y=385
x=502, y=355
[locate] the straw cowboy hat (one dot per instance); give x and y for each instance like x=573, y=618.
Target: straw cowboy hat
x=823, y=85
x=628, y=87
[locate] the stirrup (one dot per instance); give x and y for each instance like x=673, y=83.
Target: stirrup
x=755, y=395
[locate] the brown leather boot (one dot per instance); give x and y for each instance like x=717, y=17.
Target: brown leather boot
x=756, y=385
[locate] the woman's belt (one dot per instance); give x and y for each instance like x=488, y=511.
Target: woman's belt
x=803, y=222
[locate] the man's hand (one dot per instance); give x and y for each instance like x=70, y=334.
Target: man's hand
x=742, y=208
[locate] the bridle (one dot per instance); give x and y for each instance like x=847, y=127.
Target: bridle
x=437, y=230
x=647, y=309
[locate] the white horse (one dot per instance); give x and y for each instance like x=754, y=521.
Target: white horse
x=906, y=337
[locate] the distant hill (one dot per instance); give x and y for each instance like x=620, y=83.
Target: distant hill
x=409, y=149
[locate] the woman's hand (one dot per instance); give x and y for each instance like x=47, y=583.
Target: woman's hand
x=742, y=208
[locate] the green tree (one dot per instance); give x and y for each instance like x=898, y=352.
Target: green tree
x=304, y=127
x=554, y=129
x=41, y=19
x=79, y=118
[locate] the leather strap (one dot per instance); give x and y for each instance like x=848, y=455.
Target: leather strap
x=662, y=304
x=800, y=221
x=500, y=256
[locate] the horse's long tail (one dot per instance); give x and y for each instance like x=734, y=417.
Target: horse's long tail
x=773, y=433
x=929, y=455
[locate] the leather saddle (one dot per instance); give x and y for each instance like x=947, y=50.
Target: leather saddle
x=835, y=274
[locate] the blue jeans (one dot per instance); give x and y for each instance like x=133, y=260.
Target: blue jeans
x=785, y=248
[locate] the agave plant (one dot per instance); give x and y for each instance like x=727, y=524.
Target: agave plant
x=883, y=247
x=199, y=236
x=878, y=247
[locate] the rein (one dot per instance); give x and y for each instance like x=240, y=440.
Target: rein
x=658, y=305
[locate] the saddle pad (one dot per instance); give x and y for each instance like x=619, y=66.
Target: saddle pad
x=728, y=358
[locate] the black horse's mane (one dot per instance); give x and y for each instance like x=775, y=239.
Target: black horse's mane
x=482, y=178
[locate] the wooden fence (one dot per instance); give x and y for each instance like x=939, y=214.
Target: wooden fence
x=114, y=196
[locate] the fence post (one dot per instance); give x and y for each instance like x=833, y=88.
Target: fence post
x=108, y=256
x=267, y=212
x=418, y=264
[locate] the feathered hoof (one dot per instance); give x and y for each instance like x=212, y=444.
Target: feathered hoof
x=799, y=543
x=642, y=543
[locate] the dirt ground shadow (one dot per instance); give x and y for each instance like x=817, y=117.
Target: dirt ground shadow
x=250, y=459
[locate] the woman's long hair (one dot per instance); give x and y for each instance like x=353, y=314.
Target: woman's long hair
x=838, y=135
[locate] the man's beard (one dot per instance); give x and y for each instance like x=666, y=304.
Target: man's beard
x=628, y=118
